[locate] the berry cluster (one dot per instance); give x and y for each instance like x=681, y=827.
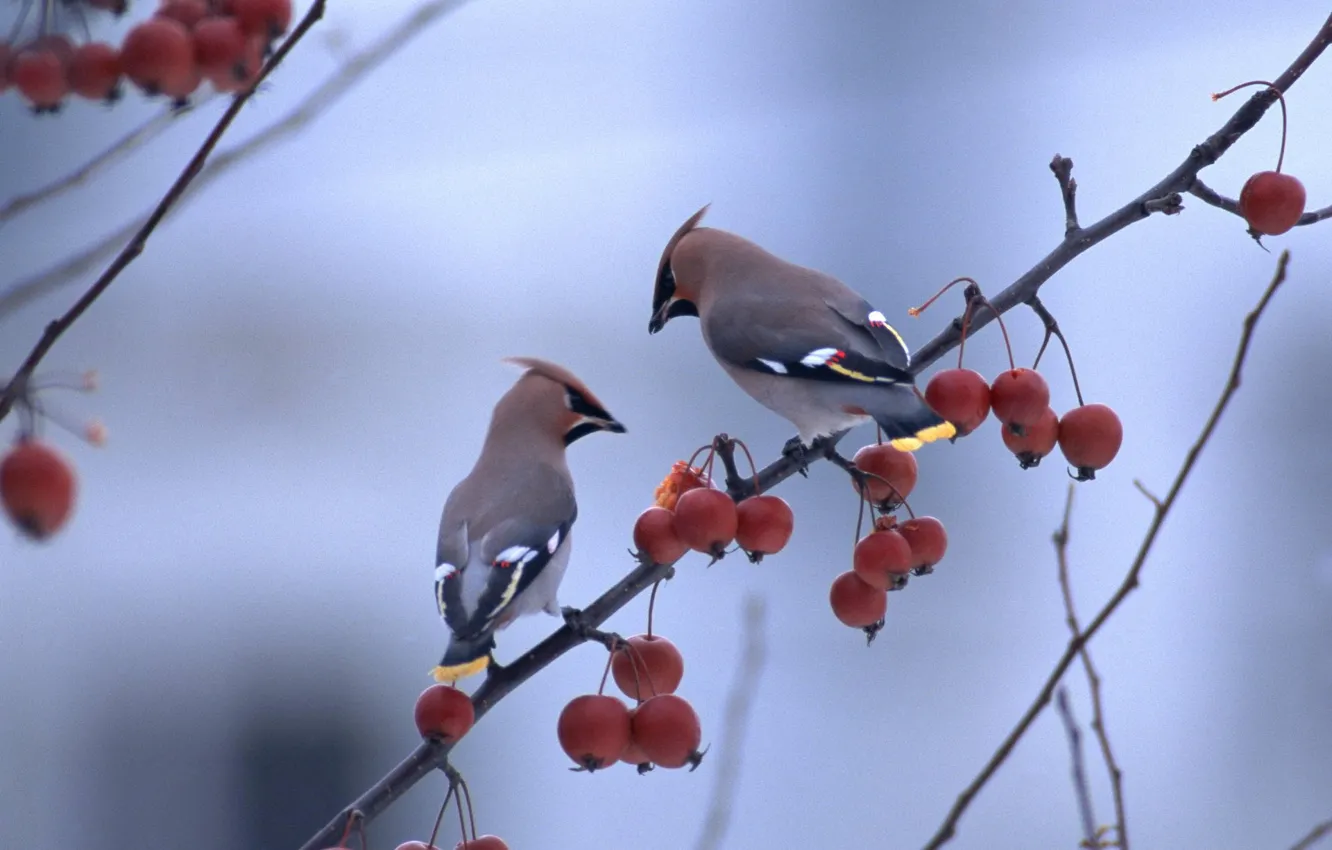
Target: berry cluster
x=881, y=561
x=37, y=482
x=662, y=729
x=1271, y=202
x=184, y=44
x=1089, y=435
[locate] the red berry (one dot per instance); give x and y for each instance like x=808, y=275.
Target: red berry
x=1089, y=437
x=593, y=730
x=961, y=396
x=1037, y=441
x=244, y=71
x=1020, y=397
x=667, y=729
x=658, y=664
x=705, y=519
x=58, y=43
x=94, y=71
x=897, y=468
x=1271, y=202
x=218, y=44
x=927, y=539
x=764, y=525
x=680, y=479
x=880, y=557
x=37, y=488
x=655, y=537
x=484, y=842
x=269, y=18
x=411, y=845
x=186, y=12
x=856, y=603
x=39, y=75
x=444, y=712
x=633, y=754
x=158, y=56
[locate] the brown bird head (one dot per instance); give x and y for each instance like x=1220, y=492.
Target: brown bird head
x=674, y=294
x=555, y=401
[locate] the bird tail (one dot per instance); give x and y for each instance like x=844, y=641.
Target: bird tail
x=907, y=421
x=465, y=657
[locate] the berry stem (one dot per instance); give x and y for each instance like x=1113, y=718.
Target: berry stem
x=1052, y=329
x=462, y=824
x=1281, y=157
x=636, y=658
x=916, y=311
x=440, y=817
x=652, y=603
x=753, y=468
x=352, y=817
x=602, y=687
x=471, y=816
x=981, y=299
x=962, y=333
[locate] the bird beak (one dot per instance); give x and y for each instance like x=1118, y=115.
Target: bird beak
x=613, y=426
x=659, y=318
x=671, y=308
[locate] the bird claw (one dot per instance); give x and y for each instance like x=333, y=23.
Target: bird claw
x=798, y=454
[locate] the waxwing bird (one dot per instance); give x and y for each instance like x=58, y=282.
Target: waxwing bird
x=800, y=342
x=504, y=536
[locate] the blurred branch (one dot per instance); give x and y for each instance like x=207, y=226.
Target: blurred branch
x=17, y=385
x=739, y=707
x=123, y=147
x=315, y=104
x=1314, y=836
x=949, y=826
x=1060, y=539
x=430, y=755
x=1207, y=194
x=1080, y=789
x=1162, y=197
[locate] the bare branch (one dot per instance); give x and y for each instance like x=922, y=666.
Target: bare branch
x=1080, y=789
x=739, y=707
x=1060, y=539
x=127, y=255
x=949, y=826
x=1158, y=197
x=1314, y=836
x=1062, y=167
x=121, y=148
x=1207, y=194
x=315, y=104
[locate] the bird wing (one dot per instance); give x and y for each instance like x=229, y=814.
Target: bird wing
x=826, y=341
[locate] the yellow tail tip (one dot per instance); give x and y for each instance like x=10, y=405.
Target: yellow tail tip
x=460, y=671
x=942, y=431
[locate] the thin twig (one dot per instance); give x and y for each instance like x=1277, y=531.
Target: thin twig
x=136, y=245
x=1314, y=836
x=1062, y=167
x=121, y=148
x=1060, y=539
x=1052, y=329
x=949, y=826
x=739, y=709
x=1179, y=180
x=313, y=106
x=1207, y=194
x=1079, y=769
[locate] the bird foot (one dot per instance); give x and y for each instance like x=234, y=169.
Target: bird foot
x=796, y=451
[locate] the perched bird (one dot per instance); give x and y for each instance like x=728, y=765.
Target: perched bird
x=800, y=342
x=504, y=535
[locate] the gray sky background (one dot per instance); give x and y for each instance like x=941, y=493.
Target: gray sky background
x=225, y=644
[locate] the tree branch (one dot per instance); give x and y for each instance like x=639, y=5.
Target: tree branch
x=1158, y=198
x=337, y=84
x=17, y=385
x=1080, y=789
x=949, y=826
x=1314, y=836
x=1060, y=539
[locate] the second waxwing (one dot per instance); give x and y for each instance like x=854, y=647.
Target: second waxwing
x=799, y=341
x=504, y=538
